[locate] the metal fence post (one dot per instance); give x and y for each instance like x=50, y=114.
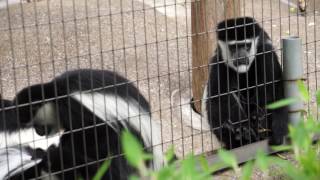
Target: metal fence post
x=292, y=72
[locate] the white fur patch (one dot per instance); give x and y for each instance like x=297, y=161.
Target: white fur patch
x=14, y=161
x=190, y=117
x=46, y=116
x=27, y=137
x=108, y=106
x=204, y=110
x=228, y=56
x=242, y=68
x=239, y=41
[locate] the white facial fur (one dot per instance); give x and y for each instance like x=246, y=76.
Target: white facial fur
x=229, y=57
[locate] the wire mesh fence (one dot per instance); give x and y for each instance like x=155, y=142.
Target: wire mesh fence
x=144, y=48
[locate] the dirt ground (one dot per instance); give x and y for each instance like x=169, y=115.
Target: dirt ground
x=150, y=46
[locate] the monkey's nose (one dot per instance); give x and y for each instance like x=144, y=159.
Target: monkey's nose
x=241, y=61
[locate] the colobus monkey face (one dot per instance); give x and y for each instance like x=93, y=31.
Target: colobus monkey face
x=239, y=55
x=238, y=40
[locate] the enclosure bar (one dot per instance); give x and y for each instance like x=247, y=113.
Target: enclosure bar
x=292, y=72
x=248, y=152
x=244, y=153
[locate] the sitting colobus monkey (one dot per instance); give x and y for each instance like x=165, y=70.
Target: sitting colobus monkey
x=244, y=77
x=92, y=107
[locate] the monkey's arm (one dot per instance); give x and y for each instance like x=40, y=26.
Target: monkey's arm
x=273, y=91
x=223, y=110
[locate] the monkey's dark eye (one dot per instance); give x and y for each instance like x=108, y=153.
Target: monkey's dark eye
x=41, y=130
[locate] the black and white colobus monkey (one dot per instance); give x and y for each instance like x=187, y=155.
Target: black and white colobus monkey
x=244, y=77
x=92, y=107
x=20, y=145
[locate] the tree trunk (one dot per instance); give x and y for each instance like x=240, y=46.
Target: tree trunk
x=205, y=14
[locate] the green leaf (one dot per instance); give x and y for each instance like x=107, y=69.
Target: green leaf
x=318, y=97
x=262, y=160
x=282, y=103
x=282, y=148
x=247, y=171
x=132, y=149
x=188, y=169
x=286, y=166
x=304, y=94
x=102, y=170
x=165, y=173
x=310, y=124
x=307, y=160
x=216, y=166
x=170, y=155
x=228, y=158
x=204, y=163
x=300, y=136
x=134, y=177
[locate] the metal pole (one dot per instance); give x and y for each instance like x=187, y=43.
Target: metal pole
x=292, y=72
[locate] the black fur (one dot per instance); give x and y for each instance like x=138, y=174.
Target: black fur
x=57, y=91
x=8, y=118
x=246, y=120
x=87, y=139
x=238, y=29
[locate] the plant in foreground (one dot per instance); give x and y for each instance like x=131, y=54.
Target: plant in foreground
x=306, y=154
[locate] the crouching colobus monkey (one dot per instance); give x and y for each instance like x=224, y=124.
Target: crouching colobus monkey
x=92, y=107
x=244, y=77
